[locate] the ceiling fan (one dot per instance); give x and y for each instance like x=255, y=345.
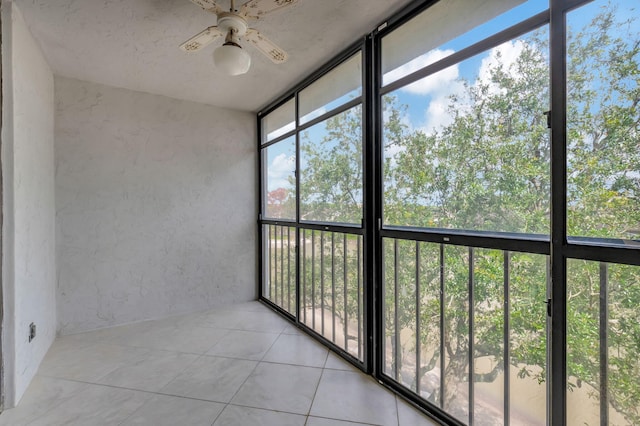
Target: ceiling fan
x=230, y=57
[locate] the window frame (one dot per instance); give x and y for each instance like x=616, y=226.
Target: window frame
x=303, y=226
x=559, y=246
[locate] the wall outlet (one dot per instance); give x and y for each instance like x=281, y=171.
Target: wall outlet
x=32, y=331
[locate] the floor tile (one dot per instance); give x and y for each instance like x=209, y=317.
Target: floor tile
x=211, y=378
x=279, y=387
x=178, y=338
x=320, y=421
x=96, y=405
x=164, y=410
x=225, y=319
x=151, y=373
x=242, y=344
x=43, y=394
x=258, y=321
x=354, y=397
x=253, y=306
x=104, y=335
x=90, y=363
x=334, y=362
x=244, y=416
x=183, y=369
x=408, y=415
x=292, y=329
x=298, y=350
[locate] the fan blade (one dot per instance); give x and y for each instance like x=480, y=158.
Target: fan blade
x=266, y=46
x=257, y=8
x=208, y=5
x=201, y=39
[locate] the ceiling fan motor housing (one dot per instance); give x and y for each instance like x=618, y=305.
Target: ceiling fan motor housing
x=232, y=22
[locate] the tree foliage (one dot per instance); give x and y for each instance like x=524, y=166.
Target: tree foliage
x=488, y=169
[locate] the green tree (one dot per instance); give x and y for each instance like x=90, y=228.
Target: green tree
x=331, y=169
x=488, y=170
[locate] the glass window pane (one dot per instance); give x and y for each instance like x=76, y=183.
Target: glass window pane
x=279, y=167
x=279, y=266
x=335, y=88
x=455, y=396
x=412, y=316
x=528, y=339
x=603, y=121
x=412, y=327
x=583, y=342
x=430, y=356
x=468, y=147
x=488, y=323
x=623, y=342
x=447, y=27
x=608, y=337
x=389, y=310
x=331, y=287
x=279, y=122
x=331, y=169
x=400, y=311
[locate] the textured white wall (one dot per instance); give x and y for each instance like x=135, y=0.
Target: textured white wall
x=29, y=264
x=155, y=203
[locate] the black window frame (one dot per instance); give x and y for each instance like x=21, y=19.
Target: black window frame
x=558, y=246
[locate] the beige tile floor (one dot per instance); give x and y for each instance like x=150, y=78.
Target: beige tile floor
x=243, y=365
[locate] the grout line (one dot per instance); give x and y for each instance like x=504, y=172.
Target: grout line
x=348, y=421
x=293, y=365
x=326, y=359
x=217, y=341
x=201, y=355
x=158, y=392
x=265, y=409
x=219, y=414
x=315, y=393
x=270, y=347
x=57, y=403
x=245, y=381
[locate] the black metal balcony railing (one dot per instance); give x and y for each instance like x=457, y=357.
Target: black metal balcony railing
x=331, y=287
x=602, y=343
x=465, y=329
x=331, y=281
x=279, y=253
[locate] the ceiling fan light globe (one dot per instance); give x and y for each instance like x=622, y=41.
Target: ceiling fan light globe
x=231, y=59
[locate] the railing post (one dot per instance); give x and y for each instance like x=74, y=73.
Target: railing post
x=418, y=297
x=507, y=336
x=471, y=335
x=604, y=344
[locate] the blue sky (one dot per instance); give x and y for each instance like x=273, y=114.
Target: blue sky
x=427, y=98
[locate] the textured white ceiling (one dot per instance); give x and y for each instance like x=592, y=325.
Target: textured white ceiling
x=133, y=44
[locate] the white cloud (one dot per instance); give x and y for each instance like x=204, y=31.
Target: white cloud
x=279, y=171
x=438, y=87
x=441, y=86
x=504, y=56
x=437, y=116
x=429, y=84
